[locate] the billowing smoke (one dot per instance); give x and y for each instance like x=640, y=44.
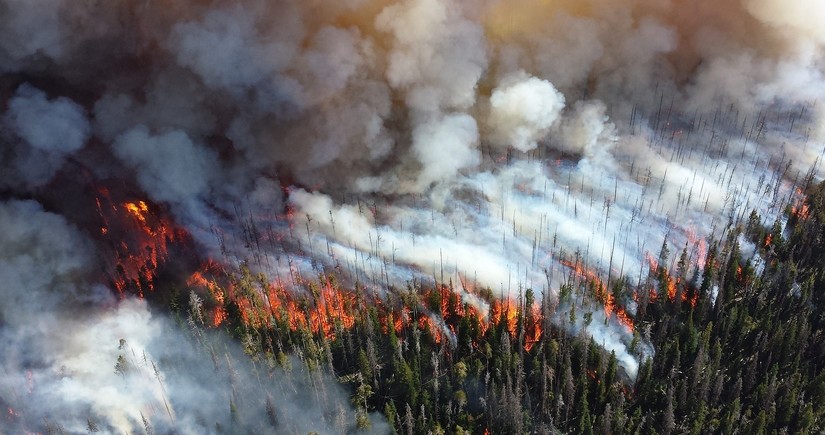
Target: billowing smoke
x=522, y=110
x=495, y=143
x=76, y=358
x=168, y=166
x=47, y=131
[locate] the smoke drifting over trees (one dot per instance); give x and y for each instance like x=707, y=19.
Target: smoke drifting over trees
x=488, y=142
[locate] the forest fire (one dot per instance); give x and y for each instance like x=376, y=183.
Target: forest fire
x=321, y=306
x=582, y=272
x=801, y=211
x=427, y=323
x=199, y=279
x=622, y=316
x=700, y=246
x=505, y=312
x=611, y=308
x=326, y=308
x=11, y=415
x=303, y=183
x=137, y=241
x=671, y=286
x=533, y=328
x=138, y=209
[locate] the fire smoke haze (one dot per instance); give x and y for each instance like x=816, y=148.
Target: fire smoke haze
x=480, y=141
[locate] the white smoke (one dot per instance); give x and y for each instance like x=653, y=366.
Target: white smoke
x=437, y=56
x=63, y=336
x=20, y=42
x=225, y=49
x=799, y=22
x=43, y=256
x=445, y=147
x=522, y=110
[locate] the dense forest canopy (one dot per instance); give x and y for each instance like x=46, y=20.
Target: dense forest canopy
x=742, y=352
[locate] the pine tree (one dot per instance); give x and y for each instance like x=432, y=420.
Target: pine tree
x=122, y=366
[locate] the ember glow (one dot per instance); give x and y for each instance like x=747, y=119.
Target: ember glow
x=138, y=209
x=138, y=242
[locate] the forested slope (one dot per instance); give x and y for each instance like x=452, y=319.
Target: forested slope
x=736, y=350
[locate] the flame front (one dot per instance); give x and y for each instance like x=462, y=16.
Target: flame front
x=326, y=309
x=611, y=307
x=670, y=285
x=800, y=209
x=137, y=209
x=138, y=242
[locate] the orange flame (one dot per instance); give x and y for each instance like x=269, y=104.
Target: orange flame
x=802, y=212
x=328, y=308
x=427, y=322
x=534, y=330
x=700, y=245
x=652, y=262
x=137, y=209
x=622, y=316
x=671, y=288
x=611, y=308
x=800, y=208
x=398, y=324
x=139, y=241
x=218, y=316
x=671, y=283
x=505, y=311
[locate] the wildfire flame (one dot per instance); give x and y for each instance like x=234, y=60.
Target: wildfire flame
x=611, y=308
x=673, y=285
x=801, y=211
x=700, y=247
x=138, y=239
x=505, y=312
x=137, y=209
x=321, y=306
x=326, y=308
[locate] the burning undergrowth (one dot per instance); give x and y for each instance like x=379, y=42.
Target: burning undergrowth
x=137, y=243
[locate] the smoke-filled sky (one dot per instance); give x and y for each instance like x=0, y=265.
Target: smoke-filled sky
x=480, y=141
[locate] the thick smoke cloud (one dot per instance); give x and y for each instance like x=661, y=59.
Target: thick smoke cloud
x=169, y=167
x=437, y=55
x=59, y=126
x=52, y=130
x=522, y=110
x=456, y=136
x=484, y=141
x=34, y=240
x=74, y=357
